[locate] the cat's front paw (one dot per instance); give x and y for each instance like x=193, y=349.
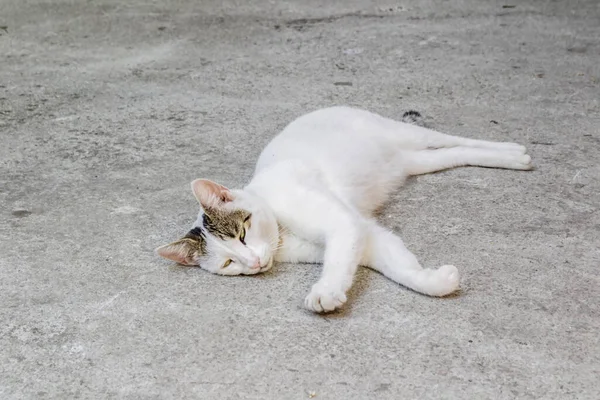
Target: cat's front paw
x=444, y=281
x=325, y=298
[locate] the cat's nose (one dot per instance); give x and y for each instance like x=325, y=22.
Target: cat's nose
x=256, y=263
x=261, y=252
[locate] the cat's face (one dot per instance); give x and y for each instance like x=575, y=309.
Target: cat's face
x=235, y=233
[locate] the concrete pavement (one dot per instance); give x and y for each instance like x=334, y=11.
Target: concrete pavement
x=108, y=109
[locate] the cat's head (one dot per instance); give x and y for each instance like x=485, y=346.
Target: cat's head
x=235, y=233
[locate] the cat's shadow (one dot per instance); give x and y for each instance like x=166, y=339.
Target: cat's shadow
x=363, y=281
x=312, y=272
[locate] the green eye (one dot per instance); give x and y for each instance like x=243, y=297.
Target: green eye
x=227, y=263
x=243, y=236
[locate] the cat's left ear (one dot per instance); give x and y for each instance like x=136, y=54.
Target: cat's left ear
x=210, y=194
x=181, y=251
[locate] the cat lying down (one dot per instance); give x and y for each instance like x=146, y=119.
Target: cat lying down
x=312, y=199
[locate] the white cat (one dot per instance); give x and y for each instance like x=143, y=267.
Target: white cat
x=312, y=198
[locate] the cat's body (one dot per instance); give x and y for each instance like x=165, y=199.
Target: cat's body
x=321, y=179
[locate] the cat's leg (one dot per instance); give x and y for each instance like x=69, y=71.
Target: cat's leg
x=418, y=137
x=295, y=250
x=320, y=216
x=387, y=254
x=344, y=247
x=427, y=161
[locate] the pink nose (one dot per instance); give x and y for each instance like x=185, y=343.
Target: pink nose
x=256, y=263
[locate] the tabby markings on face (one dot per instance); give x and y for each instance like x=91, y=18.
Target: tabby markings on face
x=197, y=239
x=226, y=224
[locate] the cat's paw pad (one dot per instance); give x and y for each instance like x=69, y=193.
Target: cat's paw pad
x=324, y=298
x=446, y=280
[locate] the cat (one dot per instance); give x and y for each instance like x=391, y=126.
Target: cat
x=312, y=198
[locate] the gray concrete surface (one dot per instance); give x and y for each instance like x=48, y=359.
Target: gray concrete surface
x=108, y=109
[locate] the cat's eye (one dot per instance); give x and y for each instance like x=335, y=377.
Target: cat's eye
x=227, y=263
x=243, y=236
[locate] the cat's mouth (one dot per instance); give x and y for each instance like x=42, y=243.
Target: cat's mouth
x=255, y=271
x=267, y=266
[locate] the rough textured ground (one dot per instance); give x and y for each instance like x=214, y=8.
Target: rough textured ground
x=108, y=109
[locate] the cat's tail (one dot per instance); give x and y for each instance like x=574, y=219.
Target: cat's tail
x=413, y=117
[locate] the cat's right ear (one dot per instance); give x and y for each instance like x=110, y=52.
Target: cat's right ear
x=181, y=251
x=210, y=194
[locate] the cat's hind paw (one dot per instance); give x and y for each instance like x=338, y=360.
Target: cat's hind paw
x=525, y=162
x=513, y=160
x=519, y=161
x=324, y=298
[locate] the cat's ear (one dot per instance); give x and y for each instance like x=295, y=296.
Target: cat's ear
x=210, y=194
x=181, y=251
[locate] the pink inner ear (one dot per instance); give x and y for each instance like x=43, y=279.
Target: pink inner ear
x=209, y=193
x=174, y=252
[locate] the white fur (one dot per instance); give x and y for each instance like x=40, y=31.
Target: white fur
x=323, y=177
